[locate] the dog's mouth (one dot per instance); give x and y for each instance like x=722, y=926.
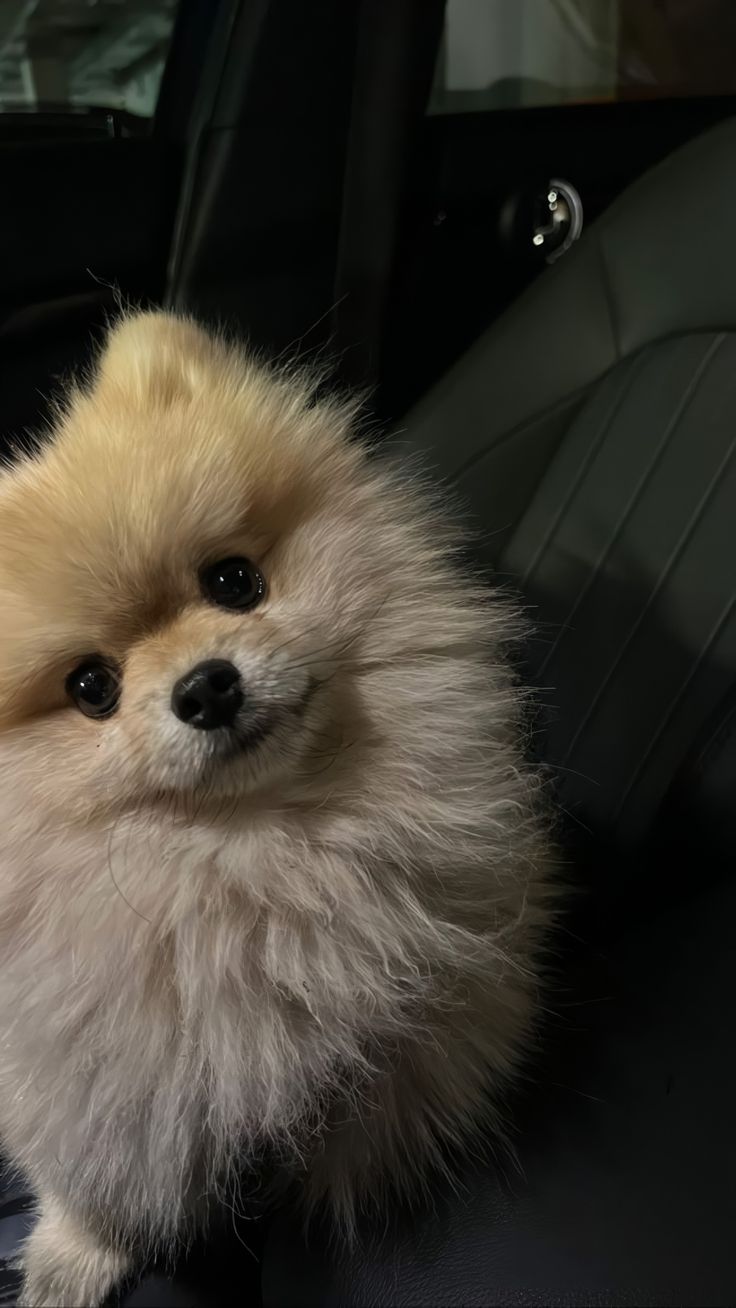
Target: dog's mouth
x=234, y=741
x=247, y=736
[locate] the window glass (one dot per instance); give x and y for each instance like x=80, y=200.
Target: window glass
x=62, y=54
x=503, y=54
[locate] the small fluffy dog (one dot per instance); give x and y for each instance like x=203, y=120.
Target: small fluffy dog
x=271, y=871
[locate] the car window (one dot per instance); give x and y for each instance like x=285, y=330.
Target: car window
x=504, y=54
x=76, y=54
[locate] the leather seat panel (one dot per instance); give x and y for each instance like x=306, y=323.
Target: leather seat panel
x=624, y=555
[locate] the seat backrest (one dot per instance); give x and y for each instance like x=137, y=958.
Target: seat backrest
x=590, y=433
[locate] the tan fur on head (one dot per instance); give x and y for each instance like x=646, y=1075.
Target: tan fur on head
x=325, y=943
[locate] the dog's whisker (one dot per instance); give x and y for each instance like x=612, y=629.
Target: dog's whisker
x=113, y=878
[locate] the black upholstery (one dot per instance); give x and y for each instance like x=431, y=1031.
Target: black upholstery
x=656, y=265
x=623, y=550
x=590, y=435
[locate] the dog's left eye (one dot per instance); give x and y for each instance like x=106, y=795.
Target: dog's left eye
x=95, y=688
x=233, y=584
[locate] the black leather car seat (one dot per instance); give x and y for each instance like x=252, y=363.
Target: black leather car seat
x=590, y=436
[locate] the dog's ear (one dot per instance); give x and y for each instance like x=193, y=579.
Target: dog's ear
x=158, y=356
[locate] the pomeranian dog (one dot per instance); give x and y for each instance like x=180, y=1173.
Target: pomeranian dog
x=272, y=870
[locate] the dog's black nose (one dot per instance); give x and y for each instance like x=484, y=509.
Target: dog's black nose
x=209, y=696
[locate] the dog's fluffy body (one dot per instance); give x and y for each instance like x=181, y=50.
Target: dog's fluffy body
x=326, y=945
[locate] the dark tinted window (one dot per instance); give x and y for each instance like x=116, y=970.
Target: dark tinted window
x=76, y=54
x=501, y=54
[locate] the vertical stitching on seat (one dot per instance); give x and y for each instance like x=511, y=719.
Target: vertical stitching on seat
x=675, y=702
x=661, y=448
x=685, y=536
x=593, y=449
x=609, y=296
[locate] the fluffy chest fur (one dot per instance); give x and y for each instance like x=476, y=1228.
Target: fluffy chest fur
x=188, y=991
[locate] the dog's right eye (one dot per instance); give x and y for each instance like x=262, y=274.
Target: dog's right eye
x=233, y=583
x=95, y=688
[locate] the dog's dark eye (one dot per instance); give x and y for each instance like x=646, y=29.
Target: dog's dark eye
x=233, y=584
x=95, y=688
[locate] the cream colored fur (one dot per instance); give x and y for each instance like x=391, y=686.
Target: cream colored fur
x=328, y=947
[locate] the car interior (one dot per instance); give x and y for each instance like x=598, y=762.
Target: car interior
x=508, y=223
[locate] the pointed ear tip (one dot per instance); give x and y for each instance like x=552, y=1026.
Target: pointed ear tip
x=150, y=327
x=138, y=344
